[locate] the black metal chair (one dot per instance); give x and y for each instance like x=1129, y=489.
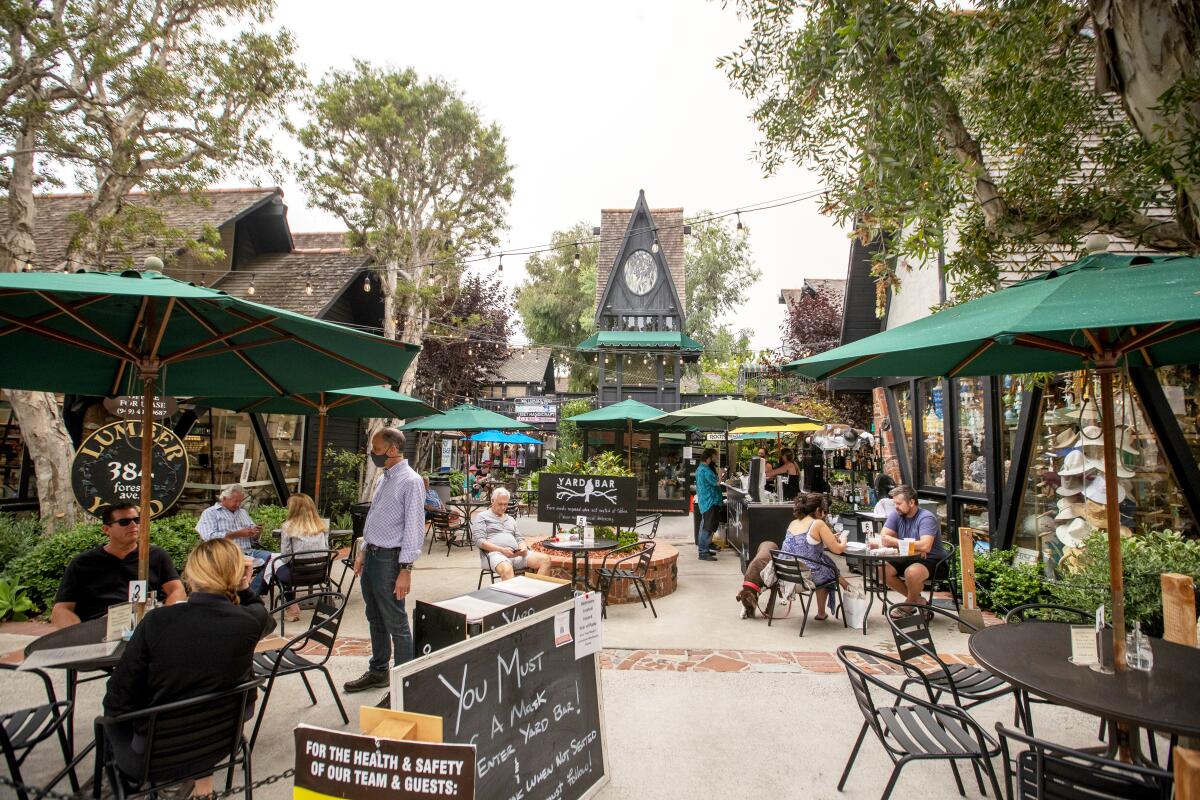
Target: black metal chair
x=646, y=526
x=942, y=576
x=640, y=552
x=912, y=729
x=348, y=567
x=24, y=729
x=309, y=572
x=444, y=527
x=1048, y=770
x=968, y=685
x=322, y=632
x=184, y=740
x=797, y=570
x=1048, y=612
x=486, y=569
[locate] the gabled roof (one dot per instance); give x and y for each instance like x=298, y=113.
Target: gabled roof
x=280, y=279
x=833, y=288
x=525, y=365
x=192, y=213
x=324, y=240
x=616, y=225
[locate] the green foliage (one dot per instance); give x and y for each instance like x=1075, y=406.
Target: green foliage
x=718, y=273
x=269, y=517
x=344, y=468
x=569, y=452
x=177, y=535
x=1000, y=586
x=41, y=567
x=906, y=110
x=724, y=355
x=607, y=463
x=17, y=534
x=1145, y=556
x=557, y=299
x=14, y=601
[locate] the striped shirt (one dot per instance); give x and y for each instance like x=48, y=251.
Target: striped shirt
x=397, y=515
x=218, y=520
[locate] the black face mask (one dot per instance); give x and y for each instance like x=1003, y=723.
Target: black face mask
x=379, y=460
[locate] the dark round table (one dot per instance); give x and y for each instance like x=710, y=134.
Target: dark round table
x=90, y=632
x=597, y=545
x=872, y=571
x=1034, y=656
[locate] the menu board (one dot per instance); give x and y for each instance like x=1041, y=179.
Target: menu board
x=603, y=499
x=533, y=711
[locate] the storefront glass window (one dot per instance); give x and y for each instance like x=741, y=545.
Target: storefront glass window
x=672, y=473
x=641, y=463
x=975, y=516
x=12, y=448
x=904, y=409
x=970, y=440
x=610, y=368
x=1011, y=397
x=223, y=449
x=933, y=438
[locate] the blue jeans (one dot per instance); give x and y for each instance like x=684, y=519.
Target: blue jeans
x=257, y=585
x=386, y=616
x=708, y=526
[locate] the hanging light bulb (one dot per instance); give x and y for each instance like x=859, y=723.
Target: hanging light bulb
x=741, y=229
x=578, y=256
x=250, y=288
x=366, y=283
x=654, y=246
x=203, y=282
x=500, y=266
x=28, y=267
x=308, y=289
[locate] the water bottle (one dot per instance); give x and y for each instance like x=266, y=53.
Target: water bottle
x=1138, y=654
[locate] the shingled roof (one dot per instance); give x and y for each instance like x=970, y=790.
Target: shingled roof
x=55, y=227
x=525, y=365
x=280, y=278
x=669, y=224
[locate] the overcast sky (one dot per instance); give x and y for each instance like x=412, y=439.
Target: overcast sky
x=597, y=100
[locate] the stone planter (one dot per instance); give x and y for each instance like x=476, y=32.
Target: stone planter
x=662, y=576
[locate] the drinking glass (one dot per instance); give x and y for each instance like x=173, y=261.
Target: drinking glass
x=1138, y=654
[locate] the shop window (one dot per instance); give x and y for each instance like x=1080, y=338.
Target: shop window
x=223, y=449
x=1011, y=396
x=639, y=370
x=514, y=390
x=668, y=323
x=610, y=368
x=970, y=441
x=903, y=396
x=672, y=472
x=933, y=437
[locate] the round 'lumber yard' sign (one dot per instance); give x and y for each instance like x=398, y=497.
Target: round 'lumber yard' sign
x=108, y=468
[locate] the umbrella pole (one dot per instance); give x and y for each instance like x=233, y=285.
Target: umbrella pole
x=629, y=444
x=320, y=455
x=149, y=380
x=1115, y=570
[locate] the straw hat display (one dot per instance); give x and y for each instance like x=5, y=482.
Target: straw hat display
x=1097, y=488
x=1068, y=510
x=1071, y=485
x=1097, y=465
x=1066, y=438
x=1073, y=533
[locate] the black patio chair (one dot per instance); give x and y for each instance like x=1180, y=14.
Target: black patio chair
x=942, y=575
x=486, y=569
x=792, y=568
x=311, y=573
x=641, y=553
x=913, y=729
x=442, y=525
x=1048, y=770
x=184, y=740
x=348, y=567
x=969, y=686
x=646, y=526
x=24, y=729
x=322, y=633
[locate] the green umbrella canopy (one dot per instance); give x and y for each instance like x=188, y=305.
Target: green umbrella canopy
x=1058, y=321
x=91, y=332
x=362, y=402
x=466, y=417
x=720, y=415
x=618, y=416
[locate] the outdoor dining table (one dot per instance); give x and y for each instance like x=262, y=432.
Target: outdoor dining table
x=874, y=585
x=1033, y=656
x=576, y=549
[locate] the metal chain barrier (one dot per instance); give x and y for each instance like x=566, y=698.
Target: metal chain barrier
x=37, y=792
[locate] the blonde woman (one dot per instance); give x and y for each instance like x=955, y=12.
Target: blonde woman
x=189, y=649
x=303, y=532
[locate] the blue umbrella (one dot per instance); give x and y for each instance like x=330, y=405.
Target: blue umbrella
x=498, y=437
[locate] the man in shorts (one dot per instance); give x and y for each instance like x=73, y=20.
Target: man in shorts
x=496, y=534
x=910, y=521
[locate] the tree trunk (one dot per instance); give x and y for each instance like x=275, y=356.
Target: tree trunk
x=38, y=414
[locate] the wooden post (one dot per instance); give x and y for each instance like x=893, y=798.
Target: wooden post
x=1187, y=774
x=1116, y=572
x=969, y=610
x=1179, y=608
x=320, y=452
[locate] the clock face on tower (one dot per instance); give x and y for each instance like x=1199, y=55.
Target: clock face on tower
x=641, y=273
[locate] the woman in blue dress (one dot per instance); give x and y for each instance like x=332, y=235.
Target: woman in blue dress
x=808, y=536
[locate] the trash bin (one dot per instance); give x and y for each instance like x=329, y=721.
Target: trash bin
x=358, y=517
x=441, y=485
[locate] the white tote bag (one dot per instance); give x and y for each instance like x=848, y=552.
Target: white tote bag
x=854, y=606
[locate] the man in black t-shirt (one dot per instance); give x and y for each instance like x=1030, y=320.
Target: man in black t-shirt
x=99, y=578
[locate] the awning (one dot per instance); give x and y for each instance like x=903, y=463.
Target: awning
x=642, y=340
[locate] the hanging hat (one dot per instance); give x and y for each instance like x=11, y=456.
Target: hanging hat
x=1128, y=441
x=1095, y=491
x=1045, y=522
x=1051, y=478
x=1071, y=485
x=1089, y=413
x=1066, y=438
x=1097, y=464
x=1096, y=515
x=1068, y=510
x=1073, y=464
x=1073, y=533
x=1092, y=437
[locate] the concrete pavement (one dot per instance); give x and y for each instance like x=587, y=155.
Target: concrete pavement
x=698, y=703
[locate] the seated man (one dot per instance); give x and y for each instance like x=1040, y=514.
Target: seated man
x=226, y=519
x=99, y=578
x=910, y=521
x=433, y=501
x=496, y=534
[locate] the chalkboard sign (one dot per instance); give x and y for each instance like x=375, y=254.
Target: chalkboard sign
x=603, y=499
x=534, y=713
x=107, y=468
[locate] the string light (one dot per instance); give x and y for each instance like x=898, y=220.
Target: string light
x=366, y=283
x=500, y=266
x=654, y=244
x=250, y=288
x=308, y=287
x=578, y=256
x=203, y=282
x=741, y=229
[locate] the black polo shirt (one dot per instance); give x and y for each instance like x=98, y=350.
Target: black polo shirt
x=95, y=579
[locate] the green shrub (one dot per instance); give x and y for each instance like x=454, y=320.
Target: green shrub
x=41, y=567
x=270, y=517
x=1145, y=556
x=1000, y=586
x=14, y=601
x=17, y=534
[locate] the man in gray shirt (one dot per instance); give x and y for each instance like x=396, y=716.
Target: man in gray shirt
x=500, y=546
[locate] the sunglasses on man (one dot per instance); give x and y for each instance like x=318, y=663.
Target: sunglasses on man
x=125, y=523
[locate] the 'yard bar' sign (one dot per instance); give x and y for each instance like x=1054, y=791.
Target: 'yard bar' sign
x=603, y=499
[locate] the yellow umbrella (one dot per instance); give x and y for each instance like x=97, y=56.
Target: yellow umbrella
x=796, y=427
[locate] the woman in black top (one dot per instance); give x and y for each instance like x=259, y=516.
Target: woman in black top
x=791, y=481
x=189, y=649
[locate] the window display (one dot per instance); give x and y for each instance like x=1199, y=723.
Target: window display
x=933, y=441
x=904, y=409
x=971, y=439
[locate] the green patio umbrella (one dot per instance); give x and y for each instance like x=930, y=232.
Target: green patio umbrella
x=627, y=415
x=359, y=403
x=109, y=333
x=1104, y=312
x=721, y=415
x=467, y=417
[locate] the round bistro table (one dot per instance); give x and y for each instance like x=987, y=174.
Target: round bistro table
x=597, y=546
x=871, y=566
x=1034, y=656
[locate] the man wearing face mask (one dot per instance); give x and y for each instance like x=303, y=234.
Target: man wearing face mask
x=392, y=537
